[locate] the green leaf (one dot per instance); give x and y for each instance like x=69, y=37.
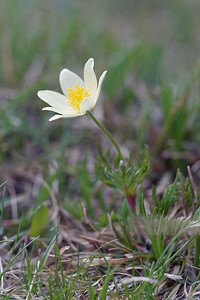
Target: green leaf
x=40, y=221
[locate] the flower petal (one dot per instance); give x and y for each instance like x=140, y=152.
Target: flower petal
x=54, y=99
x=87, y=104
x=65, y=111
x=69, y=79
x=90, y=77
x=101, y=79
x=55, y=117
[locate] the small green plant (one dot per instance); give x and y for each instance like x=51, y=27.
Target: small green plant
x=124, y=175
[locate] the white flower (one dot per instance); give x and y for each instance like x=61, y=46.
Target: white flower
x=79, y=96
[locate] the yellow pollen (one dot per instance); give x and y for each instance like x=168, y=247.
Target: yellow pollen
x=76, y=96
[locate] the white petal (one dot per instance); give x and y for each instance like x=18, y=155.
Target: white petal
x=55, y=117
x=90, y=77
x=87, y=104
x=68, y=110
x=68, y=80
x=54, y=99
x=101, y=79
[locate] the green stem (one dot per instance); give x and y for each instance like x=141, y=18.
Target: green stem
x=106, y=132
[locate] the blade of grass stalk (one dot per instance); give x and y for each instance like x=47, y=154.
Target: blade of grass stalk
x=166, y=254
x=53, y=287
x=46, y=253
x=175, y=254
x=113, y=278
x=6, y=241
x=197, y=251
x=117, y=234
x=60, y=264
x=105, y=285
x=187, y=257
x=28, y=266
x=167, y=200
x=41, y=264
x=141, y=206
x=11, y=262
x=49, y=288
x=160, y=239
x=126, y=236
x=70, y=289
x=15, y=241
x=56, y=268
x=150, y=230
x=33, y=278
x=91, y=292
x=66, y=272
x=124, y=242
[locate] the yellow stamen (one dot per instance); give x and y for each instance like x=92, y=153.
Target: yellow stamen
x=76, y=96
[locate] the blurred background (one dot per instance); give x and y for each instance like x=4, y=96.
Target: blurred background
x=150, y=95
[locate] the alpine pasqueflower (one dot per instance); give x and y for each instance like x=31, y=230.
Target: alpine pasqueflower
x=79, y=96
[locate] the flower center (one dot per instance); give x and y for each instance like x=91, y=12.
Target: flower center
x=76, y=95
